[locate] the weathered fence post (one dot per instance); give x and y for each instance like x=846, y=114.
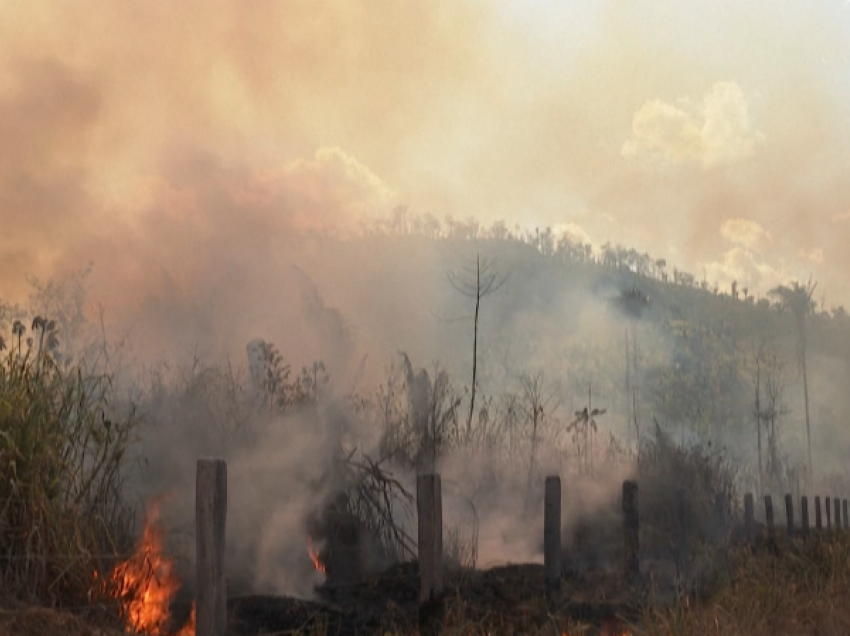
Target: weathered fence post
x=846, y=520
x=749, y=519
x=789, y=514
x=429, y=509
x=682, y=527
x=631, y=529
x=768, y=520
x=552, y=537
x=804, y=515
x=818, y=519
x=828, y=509
x=720, y=515
x=210, y=525
x=836, y=503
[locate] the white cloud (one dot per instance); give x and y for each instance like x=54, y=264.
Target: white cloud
x=715, y=131
x=573, y=231
x=814, y=255
x=332, y=190
x=746, y=233
x=742, y=265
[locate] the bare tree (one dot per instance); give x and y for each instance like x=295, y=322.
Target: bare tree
x=433, y=407
x=758, y=357
x=538, y=401
x=797, y=300
x=476, y=283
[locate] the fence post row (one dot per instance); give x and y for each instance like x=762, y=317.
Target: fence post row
x=429, y=508
x=210, y=525
x=211, y=522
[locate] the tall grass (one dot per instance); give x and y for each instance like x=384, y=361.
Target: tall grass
x=61, y=456
x=803, y=589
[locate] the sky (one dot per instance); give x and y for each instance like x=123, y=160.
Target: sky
x=151, y=137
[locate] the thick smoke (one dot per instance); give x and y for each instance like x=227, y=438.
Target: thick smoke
x=223, y=166
x=169, y=130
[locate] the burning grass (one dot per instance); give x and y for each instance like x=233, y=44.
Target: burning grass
x=146, y=584
x=62, y=514
x=64, y=523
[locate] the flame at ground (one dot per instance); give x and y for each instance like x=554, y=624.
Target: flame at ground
x=189, y=627
x=314, y=556
x=146, y=583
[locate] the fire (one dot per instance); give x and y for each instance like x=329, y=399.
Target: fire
x=314, y=556
x=188, y=628
x=146, y=583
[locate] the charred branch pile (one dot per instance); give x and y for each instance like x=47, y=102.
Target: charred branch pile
x=360, y=526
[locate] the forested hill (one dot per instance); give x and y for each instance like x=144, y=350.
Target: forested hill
x=629, y=331
x=546, y=267
x=697, y=355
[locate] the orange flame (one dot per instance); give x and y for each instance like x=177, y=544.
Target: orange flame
x=314, y=556
x=146, y=583
x=189, y=628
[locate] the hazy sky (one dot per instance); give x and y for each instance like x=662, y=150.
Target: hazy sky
x=712, y=132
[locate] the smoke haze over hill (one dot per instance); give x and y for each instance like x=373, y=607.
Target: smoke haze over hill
x=239, y=170
x=158, y=140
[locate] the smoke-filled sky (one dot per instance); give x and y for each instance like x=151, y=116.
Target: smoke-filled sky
x=158, y=138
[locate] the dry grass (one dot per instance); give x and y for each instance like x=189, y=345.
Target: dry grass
x=801, y=590
x=61, y=511
x=22, y=620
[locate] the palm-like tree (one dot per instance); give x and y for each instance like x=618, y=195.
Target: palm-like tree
x=584, y=428
x=18, y=330
x=797, y=300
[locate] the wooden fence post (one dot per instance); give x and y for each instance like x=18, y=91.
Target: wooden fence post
x=789, y=514
x=846, y=520
x=749, y=519
x=210, y=526
x=768, y=520
x=552, y=537
x=818, y=519
x=828, y=509
x=804, y=515
x=429, y=508
x=836, y=504
x=720, y=514
x=631, y=529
